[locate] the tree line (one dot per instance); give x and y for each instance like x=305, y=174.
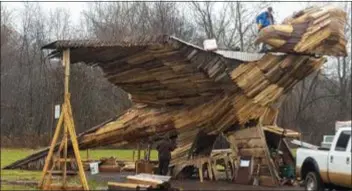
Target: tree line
x=31, y=85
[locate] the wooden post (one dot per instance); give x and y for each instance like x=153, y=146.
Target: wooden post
x=139, y=151
x=69, y=120
x=200, y=170
x=66, y=62
x=65, y=120
x=147, y=157
x=65, y=157
x=51, y=150
x=213, y=166
x=87, y=154
x=210, y=170
x=52, y=120
x=226, y=168
x=133, y=153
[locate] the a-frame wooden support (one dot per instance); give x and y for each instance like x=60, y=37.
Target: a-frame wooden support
x=57, y=160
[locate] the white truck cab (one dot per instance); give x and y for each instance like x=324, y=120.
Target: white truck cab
x=327, y=169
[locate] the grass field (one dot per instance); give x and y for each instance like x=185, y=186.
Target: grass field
x=294, y=151
x=9, y=156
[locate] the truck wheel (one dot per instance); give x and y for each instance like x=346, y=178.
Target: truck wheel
x=313, y=182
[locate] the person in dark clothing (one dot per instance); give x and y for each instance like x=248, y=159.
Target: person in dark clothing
x=164, y=148
x=263, y=20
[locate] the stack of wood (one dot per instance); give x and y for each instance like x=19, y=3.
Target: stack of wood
x=250, y=145
x=178, y=87
x=109, y=165
x=143, y=181
x=143, y=166
x=315, y=30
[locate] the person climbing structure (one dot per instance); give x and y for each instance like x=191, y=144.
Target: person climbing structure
x=263, y=20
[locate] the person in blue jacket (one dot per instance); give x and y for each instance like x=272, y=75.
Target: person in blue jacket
x=263, y=20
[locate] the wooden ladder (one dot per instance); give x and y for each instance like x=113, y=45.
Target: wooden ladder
x=57, y=161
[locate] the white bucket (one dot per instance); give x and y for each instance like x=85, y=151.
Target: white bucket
x=210, y=45
x=94, y=168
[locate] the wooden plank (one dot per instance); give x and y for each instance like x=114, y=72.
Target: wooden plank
x=70, y=126
x=266, y=181
x=140, y=180
x=248, y=132
x=200, y=171
x=109, y=168
x=213, y=166
x=251, y=143
x=59, y=172
x=226, y=168
x=51, y=150
x=112, y=185
x=255, y=152
x=210, y=170
x=65, y=156
x=61, y=187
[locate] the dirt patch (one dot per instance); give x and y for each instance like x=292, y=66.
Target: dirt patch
x=187, y=184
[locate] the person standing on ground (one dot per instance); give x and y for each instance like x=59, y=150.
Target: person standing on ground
x=263, y=20
x=164, y=148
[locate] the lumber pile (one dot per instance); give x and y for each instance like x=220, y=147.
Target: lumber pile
x=109, y=165
x=143, y=166
x=250, y=144
x=315, y=30
x=181, y=88
x=143, y=181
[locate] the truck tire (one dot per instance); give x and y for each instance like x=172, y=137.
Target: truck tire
x=313, y=182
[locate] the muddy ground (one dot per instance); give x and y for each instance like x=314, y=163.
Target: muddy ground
x=188, y=184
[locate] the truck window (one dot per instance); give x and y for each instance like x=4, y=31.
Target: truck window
x=342, y=142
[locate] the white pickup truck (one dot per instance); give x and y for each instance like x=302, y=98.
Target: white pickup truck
x=324, y=168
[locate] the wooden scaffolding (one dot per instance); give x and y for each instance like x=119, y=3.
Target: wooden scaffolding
x=60, y=159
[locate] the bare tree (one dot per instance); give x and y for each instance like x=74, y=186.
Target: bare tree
x=116, y=20
x=318, y=101
x=233, y=26
x=60, y=24
x=339, y=74
x=212, y=25
x=31, y=85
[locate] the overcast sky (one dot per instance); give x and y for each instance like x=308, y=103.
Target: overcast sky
x=281, y=9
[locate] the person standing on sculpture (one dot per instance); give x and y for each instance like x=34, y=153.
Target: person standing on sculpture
x=263, y=20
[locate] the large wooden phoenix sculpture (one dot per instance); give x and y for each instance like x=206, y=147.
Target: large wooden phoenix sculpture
x=181, y=88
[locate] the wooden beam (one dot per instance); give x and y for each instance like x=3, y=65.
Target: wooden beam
x=67, y=64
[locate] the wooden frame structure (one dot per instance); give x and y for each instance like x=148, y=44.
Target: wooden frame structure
x=52, y=160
